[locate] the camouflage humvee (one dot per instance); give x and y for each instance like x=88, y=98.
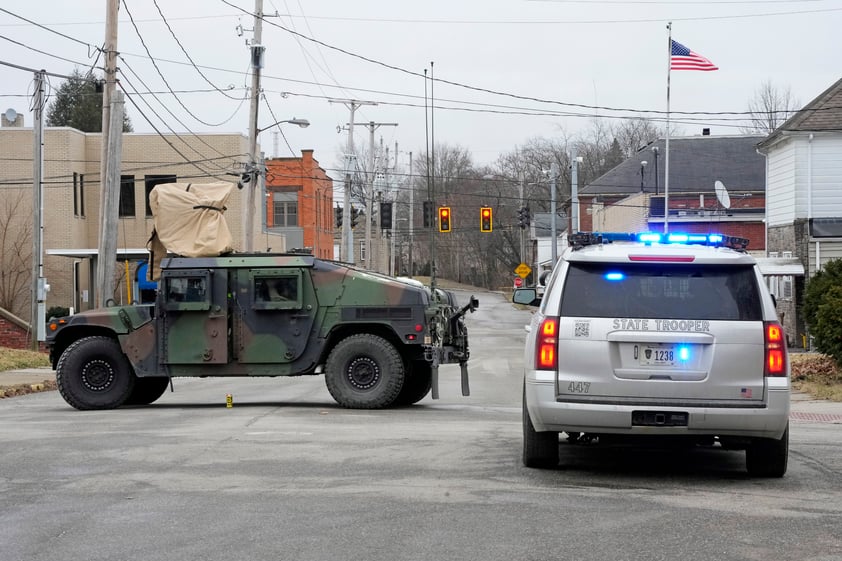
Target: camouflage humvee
x=379, y=341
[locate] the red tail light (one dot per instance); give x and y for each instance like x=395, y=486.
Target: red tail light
x=775, y=349
x=547, y=342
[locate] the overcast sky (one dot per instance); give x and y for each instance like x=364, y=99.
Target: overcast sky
x=508, y=57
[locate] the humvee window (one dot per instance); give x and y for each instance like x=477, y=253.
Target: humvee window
x=190, y=292
x=276, y=292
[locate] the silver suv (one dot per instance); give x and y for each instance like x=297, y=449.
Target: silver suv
x=656, y=335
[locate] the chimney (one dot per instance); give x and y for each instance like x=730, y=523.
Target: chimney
x=705, y=131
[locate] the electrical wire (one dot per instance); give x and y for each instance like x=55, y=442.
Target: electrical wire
x=178, y=42
x=163, y=78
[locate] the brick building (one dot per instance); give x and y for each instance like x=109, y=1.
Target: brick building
x=299, y=203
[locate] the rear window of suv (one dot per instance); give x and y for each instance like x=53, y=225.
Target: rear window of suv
x=661, y=292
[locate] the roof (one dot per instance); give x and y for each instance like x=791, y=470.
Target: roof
x=824, y=113
x=776, y=266
x=696, y=163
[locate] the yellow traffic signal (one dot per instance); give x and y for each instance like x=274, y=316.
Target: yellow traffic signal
x=485, y=219
x=444, y=219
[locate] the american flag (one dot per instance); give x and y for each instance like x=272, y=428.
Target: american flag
x=682, y=58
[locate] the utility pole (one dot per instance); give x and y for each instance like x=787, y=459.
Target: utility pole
x=369, y=196
x=411, y=217
x=108, y=89
x=347, y=246
x=109, y=206
x=574, y=190
x=522, y=230
x=553, y=228
x=253, y=171
x=38, y=284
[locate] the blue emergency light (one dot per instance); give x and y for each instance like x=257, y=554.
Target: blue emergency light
x=583, y=239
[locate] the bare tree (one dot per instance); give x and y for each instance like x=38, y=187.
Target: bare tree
x=769, y=108
x=15, y=253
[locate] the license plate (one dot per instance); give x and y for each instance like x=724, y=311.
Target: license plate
x=658, y=355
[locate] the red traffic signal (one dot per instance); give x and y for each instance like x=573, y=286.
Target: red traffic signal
x=444, y=219
x=485, y=219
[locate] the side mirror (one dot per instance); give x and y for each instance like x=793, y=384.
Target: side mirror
x=526, y=296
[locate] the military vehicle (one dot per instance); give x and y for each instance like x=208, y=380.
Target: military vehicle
x=379, y=341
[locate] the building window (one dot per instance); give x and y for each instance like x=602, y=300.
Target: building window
x=127, y=207
x=362, y=251
x=284, y=210
x=151, y=181
x=78, y=194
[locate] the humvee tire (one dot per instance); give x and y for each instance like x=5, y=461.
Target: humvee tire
x=364, y=372
x=147, y=390
x=93, y=373
x=417, y=383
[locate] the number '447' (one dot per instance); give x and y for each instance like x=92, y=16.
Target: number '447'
x=579, y=387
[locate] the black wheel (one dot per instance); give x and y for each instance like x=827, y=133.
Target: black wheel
x=767, y=457
x=540, y=449
x=416, y=384
x=364, y=372
x=93, y=373
x=147, y=390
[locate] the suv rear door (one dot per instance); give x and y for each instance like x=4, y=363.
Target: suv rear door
x=661, y=334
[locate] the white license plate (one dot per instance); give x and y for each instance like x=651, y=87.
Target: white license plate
x=658, y=355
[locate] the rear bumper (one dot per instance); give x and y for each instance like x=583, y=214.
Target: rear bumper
x=547, y=414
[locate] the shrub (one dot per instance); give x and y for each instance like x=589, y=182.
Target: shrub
x=57, y=312
x=817, y=288
x=828, y=324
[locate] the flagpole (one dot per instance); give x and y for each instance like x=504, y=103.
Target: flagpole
x=667, y=147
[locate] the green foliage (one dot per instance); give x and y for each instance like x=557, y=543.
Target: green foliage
x=77, y=104
x=817, y=288
x=57, y=312
x=828, y=326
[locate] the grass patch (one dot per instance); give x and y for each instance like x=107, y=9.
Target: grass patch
x=13, y=359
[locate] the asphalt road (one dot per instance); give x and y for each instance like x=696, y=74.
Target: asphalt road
x=286, y=474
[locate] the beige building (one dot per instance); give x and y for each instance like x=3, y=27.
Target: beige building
x=71, y=206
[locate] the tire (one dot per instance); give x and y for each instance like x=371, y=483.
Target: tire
x=147, y=390
x=416, y=384
x=767, y=457
x=540, y=449
x=93, y=373
x=364, y=372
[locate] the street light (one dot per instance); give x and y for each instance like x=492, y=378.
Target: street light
x=303, y=123
x=655, y=151
x=642, y=167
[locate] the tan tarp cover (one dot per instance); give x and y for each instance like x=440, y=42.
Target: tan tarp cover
x=188, y=221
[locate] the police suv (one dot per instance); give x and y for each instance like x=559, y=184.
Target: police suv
x=656, y=335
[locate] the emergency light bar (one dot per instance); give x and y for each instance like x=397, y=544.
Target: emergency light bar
x=583, y=239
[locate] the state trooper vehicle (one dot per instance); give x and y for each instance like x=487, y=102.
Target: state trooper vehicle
x=660, y=336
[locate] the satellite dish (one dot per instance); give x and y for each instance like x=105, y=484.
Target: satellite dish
x=722, y=194
x=11, y=115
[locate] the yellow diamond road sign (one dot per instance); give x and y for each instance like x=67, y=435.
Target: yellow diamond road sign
x=523, y=270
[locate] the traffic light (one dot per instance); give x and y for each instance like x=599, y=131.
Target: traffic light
x=428, y=214
x=337, y=213
x=355, y=216
x=385, y=216
x=524, y=217
x=444, y=219
x=485, y=220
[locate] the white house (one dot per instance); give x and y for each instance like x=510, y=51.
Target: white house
x=804, y=199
